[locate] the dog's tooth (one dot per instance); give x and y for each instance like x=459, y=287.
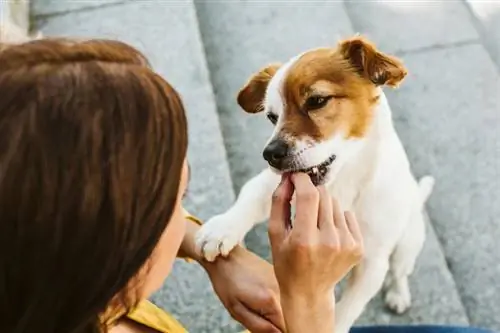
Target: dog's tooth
x=314, y=170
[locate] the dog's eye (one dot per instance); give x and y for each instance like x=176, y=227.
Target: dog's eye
x=316, y=102
x=272, y=118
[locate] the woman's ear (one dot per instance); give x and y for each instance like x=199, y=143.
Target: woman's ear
x=378, y=67
x=251, y=96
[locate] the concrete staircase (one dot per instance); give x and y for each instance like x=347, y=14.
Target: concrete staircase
x=447, y=113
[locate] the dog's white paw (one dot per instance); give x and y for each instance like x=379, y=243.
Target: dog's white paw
x=218, y=236
x=398, y=300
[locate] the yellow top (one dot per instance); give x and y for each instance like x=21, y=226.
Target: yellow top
x=149, y=315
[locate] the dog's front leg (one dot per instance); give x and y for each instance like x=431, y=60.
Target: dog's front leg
x=365, y=281
x=220, y=234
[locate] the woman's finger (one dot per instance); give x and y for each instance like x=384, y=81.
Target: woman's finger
x=338, y=217
x=353, y=226
x=307, y=204
x=252, y=321
x=280, y=211
x=325, y=212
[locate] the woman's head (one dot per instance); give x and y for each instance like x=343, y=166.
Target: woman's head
x=92, y=169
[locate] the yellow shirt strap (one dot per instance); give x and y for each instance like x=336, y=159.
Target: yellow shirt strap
x=192, y=218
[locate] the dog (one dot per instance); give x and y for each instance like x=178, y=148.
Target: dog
x=332, y=120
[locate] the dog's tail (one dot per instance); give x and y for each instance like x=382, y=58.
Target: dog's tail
x=426, y=185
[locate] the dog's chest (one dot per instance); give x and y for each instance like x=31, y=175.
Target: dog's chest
x=346, y=192
x=349, y=184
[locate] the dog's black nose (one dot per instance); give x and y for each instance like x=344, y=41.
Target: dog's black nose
x=275, y=152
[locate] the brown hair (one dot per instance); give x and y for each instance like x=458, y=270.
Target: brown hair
x=92, y=144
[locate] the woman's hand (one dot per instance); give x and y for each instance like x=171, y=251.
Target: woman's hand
x=247, y=287
x=313, y=256
x=245, y=284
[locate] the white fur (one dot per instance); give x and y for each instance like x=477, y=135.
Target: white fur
x=372, y=178
x=273, y=101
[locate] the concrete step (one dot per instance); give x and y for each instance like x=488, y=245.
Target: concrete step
x=240, y=38
x=167, y=32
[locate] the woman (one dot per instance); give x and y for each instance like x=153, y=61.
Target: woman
x=92, y=173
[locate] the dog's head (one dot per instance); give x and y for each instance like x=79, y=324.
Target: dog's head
x=321, y=104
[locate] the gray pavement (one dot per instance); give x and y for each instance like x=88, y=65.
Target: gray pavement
x=447, y=113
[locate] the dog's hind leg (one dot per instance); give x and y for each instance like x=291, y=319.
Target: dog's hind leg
x=365, y=281
x=402, y=261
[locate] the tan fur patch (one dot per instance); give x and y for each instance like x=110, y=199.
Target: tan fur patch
x=372, y=64
x=340, y=76
x=251, y=96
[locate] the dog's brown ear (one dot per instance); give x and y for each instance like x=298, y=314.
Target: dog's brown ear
x=372, y=64
x=251, y=96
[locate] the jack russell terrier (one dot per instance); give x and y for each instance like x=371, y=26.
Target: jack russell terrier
x=332, y=120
